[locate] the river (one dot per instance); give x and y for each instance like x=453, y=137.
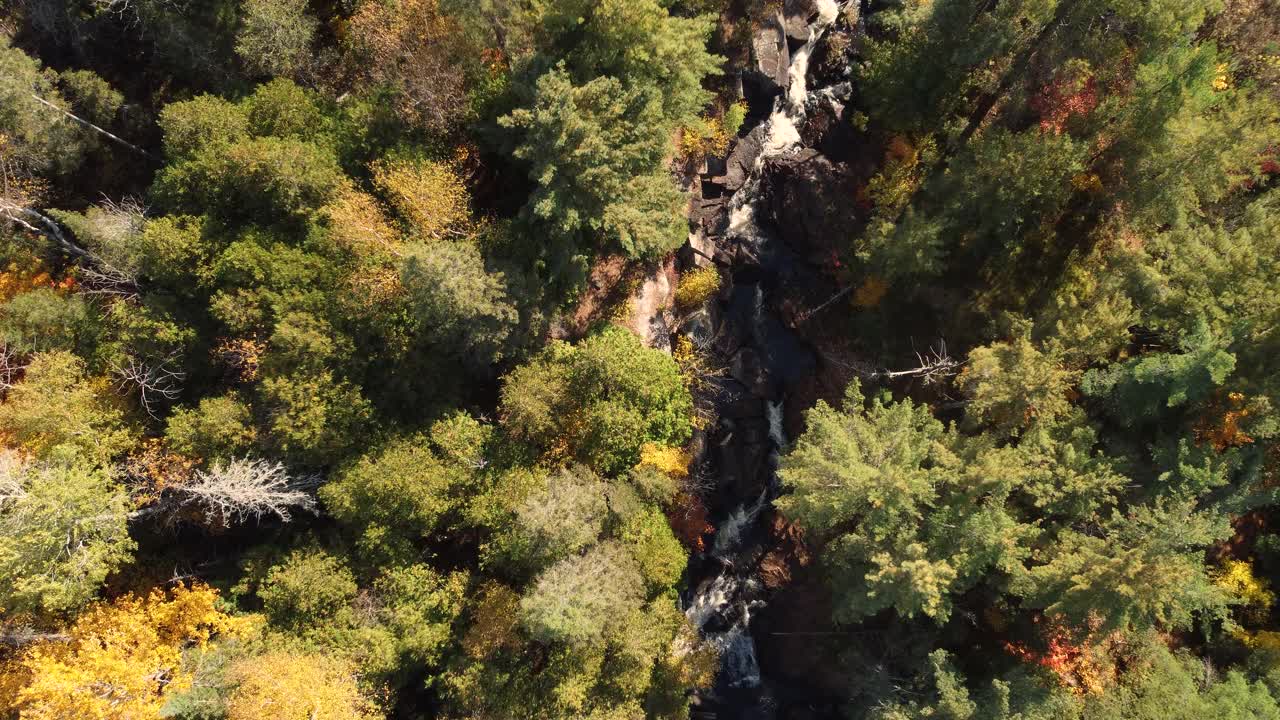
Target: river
x=766, y=357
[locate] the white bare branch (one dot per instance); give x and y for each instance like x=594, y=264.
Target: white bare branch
x=934, y=365
x=12, y=366
x=115, y=226
x=157, y=382
x=250, y=489
x=116, y=223
x=24, y=635
x=106, y=280
x=804, y=317
x=85, y=123
x=39, y=223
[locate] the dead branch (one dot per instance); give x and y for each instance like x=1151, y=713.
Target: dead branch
x=85, y=123
x=107, y=280
x=41, y=224
x=932, y=367
x=249, y=489
x=20, y=637
x=824, y=305
x=156, y=382
x=99, y=276
x=11, y=366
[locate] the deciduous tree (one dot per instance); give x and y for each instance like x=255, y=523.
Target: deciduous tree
x=121, y=659
x=397, y=495
x=291, y=685
x=578, y=599
x=59, y=411
x=413, y=48
x=603, y=399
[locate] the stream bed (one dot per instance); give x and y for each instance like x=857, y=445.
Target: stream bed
x=765, y=358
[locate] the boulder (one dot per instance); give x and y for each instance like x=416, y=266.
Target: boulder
x=745, y=407
x=743, y=158
x=796, y=15
x=787, y=552
x=748, y=369
x=702, y=248
x=650, y=306
x=743, y=466
x=770, y=56
x=705, y=212
x=699, y=325
x=812, y=198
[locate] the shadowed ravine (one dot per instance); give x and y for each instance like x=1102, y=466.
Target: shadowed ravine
x=765, y=358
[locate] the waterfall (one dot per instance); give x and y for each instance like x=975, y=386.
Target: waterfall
x=782, y=134
x=742, y=212
x=711, y=598
x=738, y=655
x=797, y=71
x=716, y=599
x=729, y=533
x=721, y=605
x=773, y=411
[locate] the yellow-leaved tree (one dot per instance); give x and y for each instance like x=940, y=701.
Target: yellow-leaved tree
x=286, y=685
x=120, y=659
x=428, y=195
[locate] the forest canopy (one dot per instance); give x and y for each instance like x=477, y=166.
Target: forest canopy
x=624, y=359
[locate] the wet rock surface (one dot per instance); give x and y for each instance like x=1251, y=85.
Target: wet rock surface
x=742, y=159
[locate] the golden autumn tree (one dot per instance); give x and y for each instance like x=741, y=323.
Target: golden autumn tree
x=358, y=225
x=119, y=660
x=297, y=686
x=429, y=195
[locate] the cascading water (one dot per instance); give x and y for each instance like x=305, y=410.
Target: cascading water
x=798, y=71
x=721, y=606
x=773, y=411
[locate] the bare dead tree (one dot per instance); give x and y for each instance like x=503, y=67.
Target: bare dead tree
x=249, y=489
x=114, y=268
x=410, y=46
x=104, y=279
x=99, y=276
x=115, y=223
x=37, y=222
x=12, y=366
x=933, y=366
x=700, y=481
x=129, y=10
x=121, y=8
x=157, y=382
x=824, y=305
